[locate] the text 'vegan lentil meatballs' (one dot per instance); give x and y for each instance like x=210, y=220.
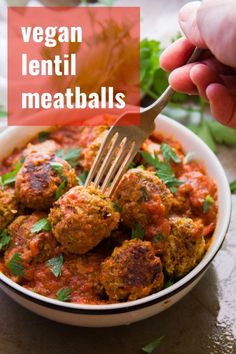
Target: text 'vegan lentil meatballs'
x=82, y=218
x=40, y=177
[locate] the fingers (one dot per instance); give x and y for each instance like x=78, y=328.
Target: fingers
x=222, y=104
x=202, y=76
x=188, y=23
x=193, y=78
x=176, y=55
x=216, y=23
x=180, y=80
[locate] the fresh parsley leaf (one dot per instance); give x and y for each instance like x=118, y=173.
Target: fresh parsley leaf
x=55, y=265
x=153, y=161
x=42, y=136
x=3, y=113
x=60, y=189
x=57, y=166
x=4, y=239
x=138, y=232
x=233, y=186
x=15, y=265
x=71, y=156
x=150, y=347
x=41, y=225
x=168, y=283
x=10, y=177
x=116, y=207
x=208, y=201
x=204, y=132
x=163, y=171
x=158, y=238
x=191, y=156
x=222, y=134
x=82, y=178
x=145, y=194
x=168, y=153
x=63, y=294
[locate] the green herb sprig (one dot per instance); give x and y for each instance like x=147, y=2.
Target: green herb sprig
x=55, y=265
x=152, y=346
x=71, y=156
x=63, y=294
x=41, y=225
x=138, y=232
x=4, y=239
x=10, y=177
x=15, y=265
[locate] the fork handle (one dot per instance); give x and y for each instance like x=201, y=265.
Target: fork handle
x=166, y=96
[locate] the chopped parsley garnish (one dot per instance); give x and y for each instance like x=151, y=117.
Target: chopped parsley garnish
x=10, y=177
x=150, y=347
x=189, y=157
x=57, y=166
x=15, y=265
x=71, y=156
x=82, y=178
x=233, y=186
x=4, y=239
x=168, y=153
x=163, y=171
x=60, y=189
x=41, y=225
x=208, y=201
x=63, y=294
x=116, y=207
x=145, y=194
x=55, y=265
x=158, y=238
x=138, y=232
x=42, y=136
x=168, y=283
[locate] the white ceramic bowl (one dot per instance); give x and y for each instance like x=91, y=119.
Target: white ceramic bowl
x=129, y=312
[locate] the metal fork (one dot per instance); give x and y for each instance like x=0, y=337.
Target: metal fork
x=122, y=142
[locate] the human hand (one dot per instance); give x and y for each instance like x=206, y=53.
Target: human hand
x=210, y=24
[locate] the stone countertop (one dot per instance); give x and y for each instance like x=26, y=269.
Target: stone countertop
x=204, y=322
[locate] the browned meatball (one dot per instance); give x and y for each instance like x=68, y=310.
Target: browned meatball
x=89, y=153
x=132, y=271
x=184, y=247
x=9, y=207
x=48, y=146
x=40, y=177
x=33, y=247
x=142, y=197
x=81, y=218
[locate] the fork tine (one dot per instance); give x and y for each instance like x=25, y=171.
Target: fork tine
x=105, y=163
x=120, y=156
x=98, y=159
x=131, y=154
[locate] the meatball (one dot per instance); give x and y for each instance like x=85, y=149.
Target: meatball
x=33, y=247
x=9, y=207
x=184, y=247
x=48, y=146
x=132, y=271
x=142, y=197
x=82, y=218
x=89, y=153
x=40, y=177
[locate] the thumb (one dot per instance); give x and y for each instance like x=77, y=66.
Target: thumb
x=188, y=23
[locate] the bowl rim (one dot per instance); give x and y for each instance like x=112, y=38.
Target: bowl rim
x=153, y=298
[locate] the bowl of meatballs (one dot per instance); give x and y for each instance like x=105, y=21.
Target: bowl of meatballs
x=74, y=255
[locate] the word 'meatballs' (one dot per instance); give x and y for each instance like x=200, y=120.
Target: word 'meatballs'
x=82, y=218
